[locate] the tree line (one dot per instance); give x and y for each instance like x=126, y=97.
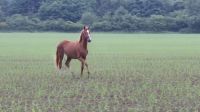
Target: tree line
x=100, y=15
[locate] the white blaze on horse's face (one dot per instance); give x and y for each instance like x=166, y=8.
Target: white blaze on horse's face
x=89, y=37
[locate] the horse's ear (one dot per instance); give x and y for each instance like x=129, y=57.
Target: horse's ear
x=86, y=27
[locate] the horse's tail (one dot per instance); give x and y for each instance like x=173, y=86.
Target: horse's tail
x=59, y=56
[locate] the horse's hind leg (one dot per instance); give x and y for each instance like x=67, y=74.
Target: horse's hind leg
x=67, y=64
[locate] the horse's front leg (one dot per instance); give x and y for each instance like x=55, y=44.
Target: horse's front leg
x=87, y=68
x=82, y=66
x=83, y=63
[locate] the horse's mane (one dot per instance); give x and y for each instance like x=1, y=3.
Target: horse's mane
x=81, y=36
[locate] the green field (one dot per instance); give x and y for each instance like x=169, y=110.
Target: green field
x=129, y=72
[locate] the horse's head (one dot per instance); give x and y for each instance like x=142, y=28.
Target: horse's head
x=86, y=34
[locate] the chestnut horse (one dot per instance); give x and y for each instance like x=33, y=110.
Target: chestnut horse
x=74, y=50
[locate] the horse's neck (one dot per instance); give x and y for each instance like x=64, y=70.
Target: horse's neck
x=82, y=42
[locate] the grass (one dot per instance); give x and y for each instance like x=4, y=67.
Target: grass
x=129, y=72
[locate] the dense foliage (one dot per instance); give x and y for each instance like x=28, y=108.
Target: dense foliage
x=101, y=15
